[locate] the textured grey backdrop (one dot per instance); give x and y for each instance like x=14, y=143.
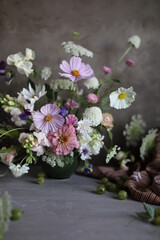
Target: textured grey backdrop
x=104, y=27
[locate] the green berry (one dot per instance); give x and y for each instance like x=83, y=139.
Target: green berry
x=107, y=184
x=16, y=214
x=101, y=189
x=157, y=221
x=120, y=183
x=157, y=212
x=104, y=180
x=41, y=174
x=40, y=180
x=122, y=195
x=112, y=187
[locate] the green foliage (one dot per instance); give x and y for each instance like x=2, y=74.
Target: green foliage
x=7, y=150
x=113, y=80
x=148, y=215
x=104, y=104
x=49, y=93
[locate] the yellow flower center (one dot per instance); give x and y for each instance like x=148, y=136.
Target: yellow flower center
x=75, y=73
x=64, y=139
x=48, y=118
x=122, y=96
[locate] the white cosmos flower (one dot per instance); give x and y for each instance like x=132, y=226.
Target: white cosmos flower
x=33, y=95
x=94, y=115
x=122, y=98
x=92, y=83
x=135, y=41
x=76, y=50
x=46, y=73
x=18, y=170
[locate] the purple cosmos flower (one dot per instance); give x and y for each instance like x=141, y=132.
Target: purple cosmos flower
x=64, y=111
x=130, y=63
x=48, y=118
x=76, y=70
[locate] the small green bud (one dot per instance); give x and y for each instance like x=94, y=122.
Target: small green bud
x=122, y=195
x=101, y=189
x=40, y=180
x=16, y=214
x=105, y=180
x=75, y=34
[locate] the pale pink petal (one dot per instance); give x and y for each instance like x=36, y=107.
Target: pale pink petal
x=64, y=66
x=75, y=63
x=67, y=75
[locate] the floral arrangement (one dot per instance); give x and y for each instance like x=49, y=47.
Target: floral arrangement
x=57, y=119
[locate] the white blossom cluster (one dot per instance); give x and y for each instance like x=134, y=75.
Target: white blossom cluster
x=76, y=50
x=134, y=131
x=18, y=170
x=113, y=152
x=148, y=143
x=62, y=84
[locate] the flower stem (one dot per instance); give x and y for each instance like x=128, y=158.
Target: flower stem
x=15, y=129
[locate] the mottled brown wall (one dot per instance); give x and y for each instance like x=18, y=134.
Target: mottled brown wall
x=104, y=27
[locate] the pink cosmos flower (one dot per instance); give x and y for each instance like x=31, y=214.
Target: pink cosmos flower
x=92, y=98
x=48, y=118
x=71, y=104
x=76, y=70
x=71, y=120
x=64, y=140
x=107, y=69
x=130, y=63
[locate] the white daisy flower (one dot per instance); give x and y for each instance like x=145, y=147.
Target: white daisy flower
x=113, y=152
x=122, y=98
x=33, y=95
x=135, y=41
x=92, y=83
x=46, y=73
x=134, y=131
x=76, y=50
x=148, y=143
x=94, y=115
x=18, y=170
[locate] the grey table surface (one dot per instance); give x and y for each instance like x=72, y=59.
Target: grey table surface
x=70, y=209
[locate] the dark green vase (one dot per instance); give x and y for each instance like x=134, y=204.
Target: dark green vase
x=57, y=172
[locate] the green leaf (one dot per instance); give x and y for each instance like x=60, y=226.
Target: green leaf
x=104, y=104
x=7, y=150
x=13, y=134
x=49, y=93
x=149, y=210
x=144, y=216
x=113, y=80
